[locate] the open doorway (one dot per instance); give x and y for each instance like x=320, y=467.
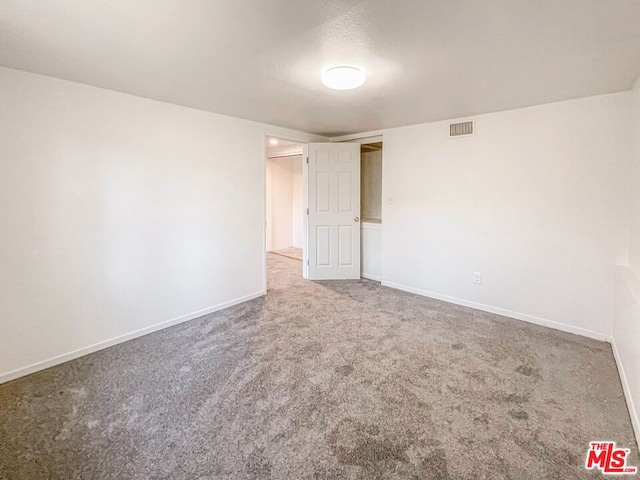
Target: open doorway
x=284, y=198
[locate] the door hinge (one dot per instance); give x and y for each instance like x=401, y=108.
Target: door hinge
x=307, y=160
x=307, y=211
x=307, y=263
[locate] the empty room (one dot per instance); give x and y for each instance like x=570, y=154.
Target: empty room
x=319, y=240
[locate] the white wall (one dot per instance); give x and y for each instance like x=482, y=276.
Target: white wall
x=536, y=201
x=297, y=203
x=119, y=213
x=281, y=186
x=371, y=251
x=626, y=328
x=634, y=235
x=626, y=340
x=285, y=194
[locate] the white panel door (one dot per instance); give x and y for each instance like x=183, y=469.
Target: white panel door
x=334, y=211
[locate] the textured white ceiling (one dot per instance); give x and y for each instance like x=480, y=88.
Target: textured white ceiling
x=425, y=59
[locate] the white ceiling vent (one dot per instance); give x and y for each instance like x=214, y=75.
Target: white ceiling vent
x=462, y=129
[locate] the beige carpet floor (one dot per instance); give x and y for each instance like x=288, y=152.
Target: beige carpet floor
x=331, y=380
x=290, y=252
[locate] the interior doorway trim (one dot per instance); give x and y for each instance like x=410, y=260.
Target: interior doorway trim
x=362, y=140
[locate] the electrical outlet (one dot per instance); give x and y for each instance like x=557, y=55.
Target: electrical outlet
x=477, y=278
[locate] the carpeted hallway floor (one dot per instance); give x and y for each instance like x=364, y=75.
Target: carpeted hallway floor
x=343, y=379
x=290, y=252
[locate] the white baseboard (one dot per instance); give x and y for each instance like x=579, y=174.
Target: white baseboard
x=633, y=413
x=368, y=276
x=65, y=357
x=504, y=312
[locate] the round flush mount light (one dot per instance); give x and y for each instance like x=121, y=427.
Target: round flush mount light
x=273, y=141
x=343, y=78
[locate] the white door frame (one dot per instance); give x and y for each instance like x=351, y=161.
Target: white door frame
x=305, y=206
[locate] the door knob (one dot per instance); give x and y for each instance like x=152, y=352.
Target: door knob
x=356, y=219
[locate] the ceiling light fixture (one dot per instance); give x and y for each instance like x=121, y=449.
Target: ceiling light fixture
x=273, y=141
x=343, y=78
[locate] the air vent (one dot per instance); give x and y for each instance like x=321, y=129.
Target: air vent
x=461, y=129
